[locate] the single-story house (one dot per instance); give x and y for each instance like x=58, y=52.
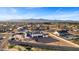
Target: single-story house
x=61, y=33
x=36, y=34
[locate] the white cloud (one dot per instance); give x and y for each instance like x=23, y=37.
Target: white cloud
x=32, y=7
x=12, y=13
x=15, y=16
x=63, y=15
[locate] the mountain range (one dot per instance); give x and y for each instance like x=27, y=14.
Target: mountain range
x=40, y=20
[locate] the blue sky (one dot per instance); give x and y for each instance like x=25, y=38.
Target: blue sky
x=53, y=13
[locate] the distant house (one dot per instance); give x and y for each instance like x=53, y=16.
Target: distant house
x=22, y=29
x=76, y=30
x=4, y=29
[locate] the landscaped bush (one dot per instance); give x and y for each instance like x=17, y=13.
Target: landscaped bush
x=11, y=46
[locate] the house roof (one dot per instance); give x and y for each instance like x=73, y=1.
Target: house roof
x=63, y=31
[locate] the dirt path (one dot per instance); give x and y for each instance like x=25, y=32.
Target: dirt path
x=64, y=40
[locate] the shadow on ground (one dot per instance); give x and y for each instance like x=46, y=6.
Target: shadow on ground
x=45, y=40
x=50, y=47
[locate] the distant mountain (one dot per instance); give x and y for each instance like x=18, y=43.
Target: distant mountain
x=40, y=20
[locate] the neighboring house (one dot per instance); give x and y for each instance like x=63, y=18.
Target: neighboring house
x=56, y=33
x=19, y=36
x=36, y=34
x=61, y=33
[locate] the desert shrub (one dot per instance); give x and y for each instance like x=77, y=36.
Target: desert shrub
x=11, y=46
